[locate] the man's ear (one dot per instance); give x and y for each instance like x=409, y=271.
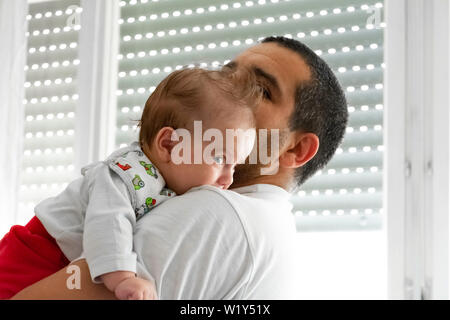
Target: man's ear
x=302, y=148
x=164, y=143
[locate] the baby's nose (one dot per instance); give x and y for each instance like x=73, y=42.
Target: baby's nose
x=225, y=180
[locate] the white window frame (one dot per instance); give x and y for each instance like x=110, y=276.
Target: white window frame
x=416, y=175
x=13, y=55
x=97, y=84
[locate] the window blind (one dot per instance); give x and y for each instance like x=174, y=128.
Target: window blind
x=160, y=36
x=50, y=99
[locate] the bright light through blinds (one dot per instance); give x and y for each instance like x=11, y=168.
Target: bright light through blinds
x=158, y=37
x=51, y=95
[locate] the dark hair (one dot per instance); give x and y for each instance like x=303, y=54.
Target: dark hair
x=320, y=107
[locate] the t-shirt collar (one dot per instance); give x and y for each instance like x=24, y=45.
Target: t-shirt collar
x=263, y=188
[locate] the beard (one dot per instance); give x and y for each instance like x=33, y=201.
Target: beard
x=247, y=172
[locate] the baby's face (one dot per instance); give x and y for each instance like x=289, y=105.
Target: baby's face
x=217, y=164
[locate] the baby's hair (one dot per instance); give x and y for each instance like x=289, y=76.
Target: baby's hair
x=195, y=94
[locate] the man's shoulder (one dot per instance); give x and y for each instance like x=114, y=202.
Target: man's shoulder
x=196, y=238
x=198, y=213
x=200, y=217
x=205, y=202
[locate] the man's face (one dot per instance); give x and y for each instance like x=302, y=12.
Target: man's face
x=279, y=71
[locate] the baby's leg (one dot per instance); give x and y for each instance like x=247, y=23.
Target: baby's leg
x=27, y=254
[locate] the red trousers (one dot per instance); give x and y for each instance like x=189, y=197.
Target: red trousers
x=27, y=254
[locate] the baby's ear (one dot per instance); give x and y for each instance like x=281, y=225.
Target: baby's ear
x=164, y=142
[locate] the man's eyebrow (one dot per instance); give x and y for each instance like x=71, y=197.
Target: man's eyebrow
x=272, y=80
x=259, y=73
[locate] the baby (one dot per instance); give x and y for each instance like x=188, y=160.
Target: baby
x=98, y=211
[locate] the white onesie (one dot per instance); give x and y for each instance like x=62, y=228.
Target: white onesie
x=96, y=214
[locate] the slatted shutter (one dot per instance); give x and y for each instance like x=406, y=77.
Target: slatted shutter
x=158, y=37
x=51, y=97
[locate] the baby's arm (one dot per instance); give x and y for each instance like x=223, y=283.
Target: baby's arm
x=126, y=286
x=108, y=237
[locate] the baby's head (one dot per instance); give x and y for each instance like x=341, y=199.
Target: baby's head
x=187, y=119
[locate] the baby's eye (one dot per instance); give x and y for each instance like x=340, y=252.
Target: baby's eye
x=219, y=160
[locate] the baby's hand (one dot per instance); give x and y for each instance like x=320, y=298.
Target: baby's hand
x=135, y=289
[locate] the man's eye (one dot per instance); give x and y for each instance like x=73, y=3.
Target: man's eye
x=219, y=160
x=266, y=93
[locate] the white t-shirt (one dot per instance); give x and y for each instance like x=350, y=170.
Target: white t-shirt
x=208, y=243
x=218, y=244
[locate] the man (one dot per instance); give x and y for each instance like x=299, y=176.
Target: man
x=240, y=244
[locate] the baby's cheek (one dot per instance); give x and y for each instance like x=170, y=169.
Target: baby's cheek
x=201, y=174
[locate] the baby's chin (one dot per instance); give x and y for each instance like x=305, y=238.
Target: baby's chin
x=223, y=187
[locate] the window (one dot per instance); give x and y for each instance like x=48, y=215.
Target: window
x=158, y=37
x=51, y=97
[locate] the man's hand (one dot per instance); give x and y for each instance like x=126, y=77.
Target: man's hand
x=126, y=286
